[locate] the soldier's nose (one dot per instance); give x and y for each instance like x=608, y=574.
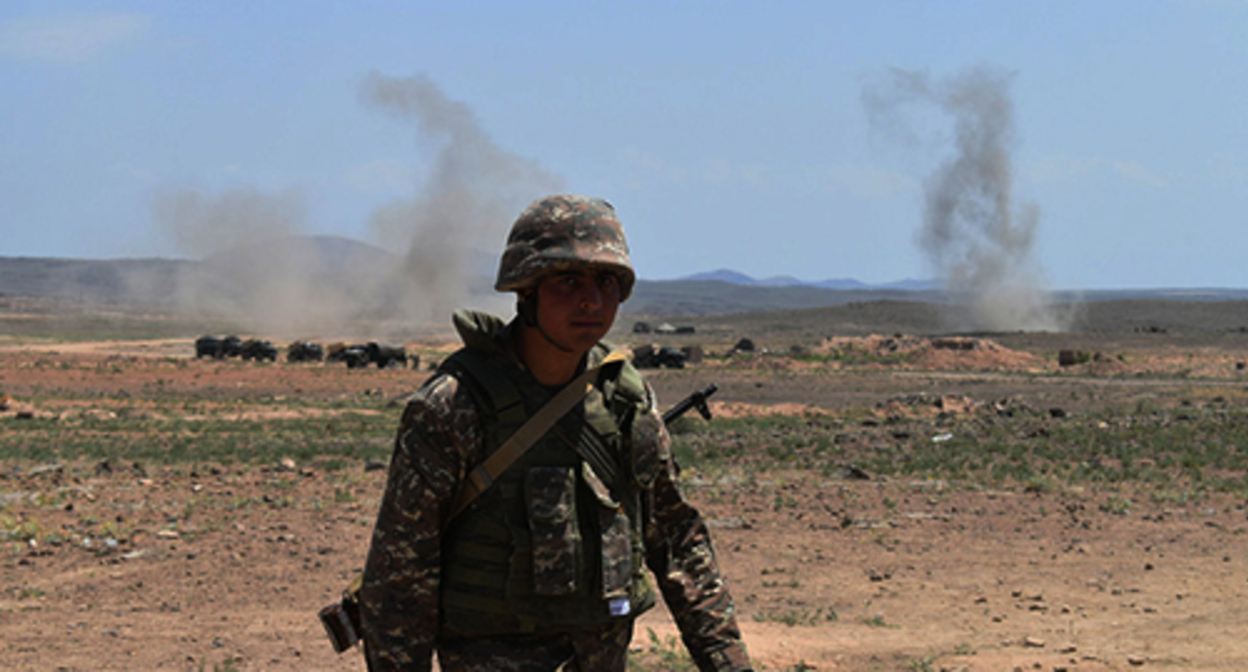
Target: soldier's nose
x=591, y=297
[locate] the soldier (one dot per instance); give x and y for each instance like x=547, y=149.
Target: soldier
x=543, y=571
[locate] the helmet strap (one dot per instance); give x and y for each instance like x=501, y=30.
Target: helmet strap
x=526, y=308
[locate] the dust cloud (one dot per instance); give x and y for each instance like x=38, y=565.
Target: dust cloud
x=474, y=192
x=980, y=245
x=432, y=254
x=260, y=270
x=201, y=225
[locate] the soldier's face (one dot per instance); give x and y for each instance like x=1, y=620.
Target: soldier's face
x=577, y=308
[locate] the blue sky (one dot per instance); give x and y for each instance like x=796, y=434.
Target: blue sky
x=727, y=134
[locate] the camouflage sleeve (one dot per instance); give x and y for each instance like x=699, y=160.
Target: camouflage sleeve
x=399, y=598
x=678, y=551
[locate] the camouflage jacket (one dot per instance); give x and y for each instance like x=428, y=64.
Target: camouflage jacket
x=439, y=440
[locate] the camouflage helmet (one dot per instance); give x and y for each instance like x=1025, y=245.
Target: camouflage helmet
x=563, y=232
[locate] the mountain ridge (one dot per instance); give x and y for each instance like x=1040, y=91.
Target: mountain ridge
x=737, y=278
x=332, y=262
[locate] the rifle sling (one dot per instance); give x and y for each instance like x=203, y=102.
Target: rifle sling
x=483, y=475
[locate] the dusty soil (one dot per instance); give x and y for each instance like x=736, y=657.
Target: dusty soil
x=224, y=567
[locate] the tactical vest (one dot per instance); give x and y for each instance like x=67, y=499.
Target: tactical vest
x=556, y=543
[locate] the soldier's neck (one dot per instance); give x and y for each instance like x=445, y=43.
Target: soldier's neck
x=551, y=366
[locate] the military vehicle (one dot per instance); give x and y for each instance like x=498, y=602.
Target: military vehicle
x=231, y=346
x=304, y=351
x=218, y=348
x=649, y=357
x=743, y=345
x=385, y=356
x=207, y=346
x=355, y=356
x=258, y=350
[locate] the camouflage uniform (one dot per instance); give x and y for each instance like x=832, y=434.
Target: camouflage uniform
x=439, y=440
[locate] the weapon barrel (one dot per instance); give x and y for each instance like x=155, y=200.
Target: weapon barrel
x=697, y=399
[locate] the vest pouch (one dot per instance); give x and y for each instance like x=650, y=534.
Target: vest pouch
x=617, y=551
x=553, y=528
x=552, y=547
x=649, y=449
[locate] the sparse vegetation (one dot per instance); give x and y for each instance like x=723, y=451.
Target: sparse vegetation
x=1197, y=450
x=220, y=438
x=797, y=617
x=924, y=664
x=258, y=486
x=875, y=621
x=663, y=655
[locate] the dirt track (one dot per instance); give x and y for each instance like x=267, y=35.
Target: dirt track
x=224, y=566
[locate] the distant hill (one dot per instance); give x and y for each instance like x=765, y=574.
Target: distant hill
x=841, y=283
x=1133, y=320
x=319, y=254
x=779, y=281
x=910, y=284
x=716, y=297
x=736, y=278
x=335, y=262
x=328, y=261
x=722, y=275
x=335, y=255
x=91, y=281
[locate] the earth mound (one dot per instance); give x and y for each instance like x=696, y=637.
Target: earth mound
x=920, y=352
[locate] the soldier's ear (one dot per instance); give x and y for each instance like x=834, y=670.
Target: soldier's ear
x=526, y=306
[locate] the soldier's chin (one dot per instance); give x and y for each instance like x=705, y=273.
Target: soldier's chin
x=586, y=338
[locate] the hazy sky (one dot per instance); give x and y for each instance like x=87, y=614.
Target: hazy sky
x=727, y=134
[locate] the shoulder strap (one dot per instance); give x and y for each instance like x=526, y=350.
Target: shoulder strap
x=483, y=475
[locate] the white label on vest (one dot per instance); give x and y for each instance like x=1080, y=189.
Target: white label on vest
x=619, y=606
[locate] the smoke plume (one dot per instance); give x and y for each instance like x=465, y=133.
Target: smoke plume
x=474, y=192
x=201, y=225
x=257, y=268
x=977, y=242
x=261, y=271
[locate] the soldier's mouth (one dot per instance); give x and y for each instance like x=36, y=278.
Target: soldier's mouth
x=587, y=322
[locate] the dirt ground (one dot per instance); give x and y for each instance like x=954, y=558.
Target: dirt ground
x=860, y=574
